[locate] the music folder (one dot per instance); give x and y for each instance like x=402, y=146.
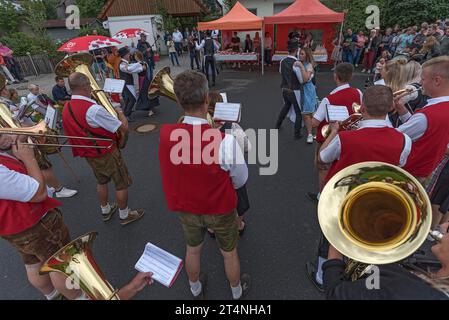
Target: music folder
x=228, y=112
x=164, y=266
x=337, y=113
x=113, y=85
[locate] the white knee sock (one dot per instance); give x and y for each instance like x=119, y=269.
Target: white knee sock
x=196, y=287
x=319, y=272
x=106, y=210
x=237, y=291
x=124, y=213
x=53, y=295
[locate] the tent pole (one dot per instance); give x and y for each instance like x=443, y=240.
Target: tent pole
x=262, y=49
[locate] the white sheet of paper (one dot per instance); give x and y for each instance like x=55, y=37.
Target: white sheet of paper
x=224, y=96
x=227, y=112
x=114, y=85
x=161, y=263
x=337, y=113
x=50, y=117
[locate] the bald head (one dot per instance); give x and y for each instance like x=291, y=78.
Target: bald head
x=79, y=84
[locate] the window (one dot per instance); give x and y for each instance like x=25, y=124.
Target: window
x=253, y=11
x=279, y=7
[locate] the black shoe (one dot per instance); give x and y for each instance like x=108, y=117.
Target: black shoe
x=312, y=197
x=311, y=273
x=203, y=280
x=245, y=281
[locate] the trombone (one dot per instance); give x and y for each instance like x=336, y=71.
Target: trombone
x=39, y=132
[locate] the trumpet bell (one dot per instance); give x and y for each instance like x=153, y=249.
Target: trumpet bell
x=162, y=85
x=76, y=261
x=375, y=213
x=72, y=62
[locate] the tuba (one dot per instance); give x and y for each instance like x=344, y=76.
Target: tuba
x=80, y=62
x=352, y=123
x=374, y=213
x=76, y=261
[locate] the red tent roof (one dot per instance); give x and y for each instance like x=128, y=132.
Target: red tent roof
x=238, y=18
x=306, y=11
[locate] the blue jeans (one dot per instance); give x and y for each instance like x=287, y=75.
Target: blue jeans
x=178, y=46
x=174, y=56
x=194, y=58
x=358, y=53
x=347, y=56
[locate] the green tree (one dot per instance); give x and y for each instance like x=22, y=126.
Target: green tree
x=414, y=12
x=90, y=8
x=35, y=15
x=228, y=4
x=9, y=17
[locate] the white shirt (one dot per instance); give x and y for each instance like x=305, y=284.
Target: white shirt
x=333, y=151
x=98, y=117
x=203, y=43
x=230, y=157
x=130, y=68
x=16, y=186
x=177, y=36
x=415, y=126
x=321, y=113
x=33, y=98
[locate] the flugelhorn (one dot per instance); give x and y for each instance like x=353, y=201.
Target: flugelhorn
x=374, y=213
x=76, y=261
x=351, y=123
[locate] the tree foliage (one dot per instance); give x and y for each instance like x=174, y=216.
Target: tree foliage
x=9, y=17
x=35, y=15
x=90, y=8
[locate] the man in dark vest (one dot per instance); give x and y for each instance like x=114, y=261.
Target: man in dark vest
x=291, y=89
x=210, y=48
x=127, y=70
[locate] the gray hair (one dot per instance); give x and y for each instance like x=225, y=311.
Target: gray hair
x=191, y=89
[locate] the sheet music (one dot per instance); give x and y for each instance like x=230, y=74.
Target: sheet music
x=50, y=117
x=164, y=266
x=227, y=111
x=114, y=85
x=337, y=113
x=225, y=97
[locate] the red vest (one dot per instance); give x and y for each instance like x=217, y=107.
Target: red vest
x=71, y=128
x=428, y=150
x=194, y=187
x=346, y=97
x=15, y=216
x=368, y=144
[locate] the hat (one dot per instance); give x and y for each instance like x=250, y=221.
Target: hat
x=123, y=51
x=292, y=45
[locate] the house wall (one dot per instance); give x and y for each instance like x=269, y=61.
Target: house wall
x=266, y=8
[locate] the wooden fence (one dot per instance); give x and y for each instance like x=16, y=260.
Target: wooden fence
x=34, y=65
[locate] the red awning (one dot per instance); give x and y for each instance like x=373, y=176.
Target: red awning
x=306, y=11
x=238, y=18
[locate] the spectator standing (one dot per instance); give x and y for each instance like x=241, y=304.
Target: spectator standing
x=249, y=45
x=337, y=52
x=100, y=69
x=348, y=46
x=193, y=53
x=172, y=51
x=177, y=39
x=6, y=71
x=11, y=63
x=370, y=52
x=268, y=48
x=360, y=44
x=235, y=45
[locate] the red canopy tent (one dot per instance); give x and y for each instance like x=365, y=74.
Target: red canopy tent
x=305, y=14
x=237, y=19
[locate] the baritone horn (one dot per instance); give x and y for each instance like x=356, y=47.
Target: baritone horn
x=80, y=62
x=352, y=123
x=374, y=213
x=162, y=85
x=76, y=262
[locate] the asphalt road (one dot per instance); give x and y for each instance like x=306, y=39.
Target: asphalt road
x=282, y=229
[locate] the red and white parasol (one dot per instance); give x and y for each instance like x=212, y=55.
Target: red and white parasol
x=130, y=33
x=89, y=43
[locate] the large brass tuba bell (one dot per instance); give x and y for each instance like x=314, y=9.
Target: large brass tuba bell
x=80, y=62
x=162, y=85
x=374, y=213
x=75, y=261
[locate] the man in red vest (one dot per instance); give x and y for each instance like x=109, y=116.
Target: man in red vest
x=201, y=168
x=83, y=117
x=29, y=219
x=375, y=140
x=429, y=127
x=343, y=95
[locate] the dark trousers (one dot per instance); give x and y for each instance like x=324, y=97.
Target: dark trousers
x=178, y=46
x=130, y=101
x=209, y=61
x=14, y=68
x=267, y=56
x=289, y=101
x=173, y=57
x=194, y=57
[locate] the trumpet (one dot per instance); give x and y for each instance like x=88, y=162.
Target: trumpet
x=404, y=92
